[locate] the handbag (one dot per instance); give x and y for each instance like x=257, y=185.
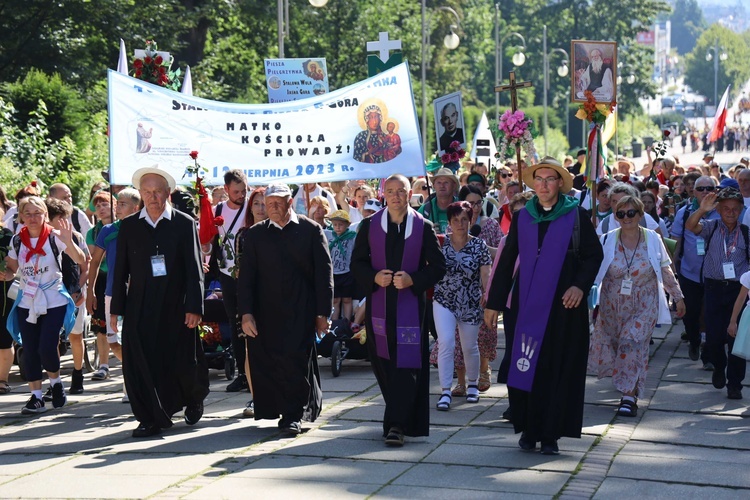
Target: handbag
x=741, y=347
x=13, y=290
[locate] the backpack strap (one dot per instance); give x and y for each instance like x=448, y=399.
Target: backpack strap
x=55, y=251
x=745, y=234
x=605, y=224
x=76, y=221
x=708, y=240
x=685, y=216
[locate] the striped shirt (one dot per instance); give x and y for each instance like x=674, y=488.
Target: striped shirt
x=723, y=246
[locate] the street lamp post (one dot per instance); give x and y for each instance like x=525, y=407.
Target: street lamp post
x=518, y=58
x=282, y=7
x=562, y=71
x=450, y=41
x=716, y=56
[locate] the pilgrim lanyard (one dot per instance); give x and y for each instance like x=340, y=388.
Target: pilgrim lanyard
x=632, y=257
x=729, y=251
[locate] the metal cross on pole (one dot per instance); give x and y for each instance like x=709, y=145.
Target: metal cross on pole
x=513, y=87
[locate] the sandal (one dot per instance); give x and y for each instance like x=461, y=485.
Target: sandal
x=472, y=396
x=444, y=403
x=627, y=408
x=459, y=391
x=485, y=380
x=4, y=387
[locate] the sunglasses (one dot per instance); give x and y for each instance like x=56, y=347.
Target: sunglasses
x=504, y=176
x=704, y=188
x=424, y=188
x=621, y=214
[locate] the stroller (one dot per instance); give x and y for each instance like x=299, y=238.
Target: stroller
x=217, y=344
x=338, y=345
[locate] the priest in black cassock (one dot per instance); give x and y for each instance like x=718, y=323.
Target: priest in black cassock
x=396, y=258
x=158, y=290
x=559, y=259
x=285, y=296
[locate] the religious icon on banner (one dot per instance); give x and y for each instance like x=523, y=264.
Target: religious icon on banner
x=449, y=122
x=378, y=142
x=594, y=69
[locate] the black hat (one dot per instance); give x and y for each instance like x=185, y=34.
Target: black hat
x=581, y=152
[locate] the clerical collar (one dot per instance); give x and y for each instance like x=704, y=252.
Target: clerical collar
x=166, y=214
x=546, y=209
x=292, y=218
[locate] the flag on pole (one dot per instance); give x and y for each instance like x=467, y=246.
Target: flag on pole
x=187, y=82
x=720, y=120
x=122, y=61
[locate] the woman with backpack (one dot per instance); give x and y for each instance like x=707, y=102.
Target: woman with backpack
x=43, y=305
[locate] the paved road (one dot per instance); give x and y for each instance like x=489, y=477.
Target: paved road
x=688, y=441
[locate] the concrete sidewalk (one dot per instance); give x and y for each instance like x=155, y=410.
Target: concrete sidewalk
x=688, y=441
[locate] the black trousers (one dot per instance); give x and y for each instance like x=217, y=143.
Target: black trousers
x=693, y=293
x=229, y=297
x=719, y=300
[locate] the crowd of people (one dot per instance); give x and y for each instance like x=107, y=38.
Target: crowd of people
x=420, y=269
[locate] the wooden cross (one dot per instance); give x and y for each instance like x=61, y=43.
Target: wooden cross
x=513, y=88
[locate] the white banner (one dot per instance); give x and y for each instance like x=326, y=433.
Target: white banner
x=365, y=131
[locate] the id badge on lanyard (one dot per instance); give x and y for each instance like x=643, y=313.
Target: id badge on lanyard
x=728, y=267
x=158, y=264
x=31, y=286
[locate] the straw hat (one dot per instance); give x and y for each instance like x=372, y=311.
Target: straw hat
x=152, y=170
x=549, y=162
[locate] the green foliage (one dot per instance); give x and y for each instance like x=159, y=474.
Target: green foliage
x=634, y=126
x=699, y=73
x=27, y=152
x=557, y=144
x=688, y=24
x=64, y=108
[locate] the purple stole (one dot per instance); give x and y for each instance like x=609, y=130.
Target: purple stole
x=537, y=286
x=408, y=328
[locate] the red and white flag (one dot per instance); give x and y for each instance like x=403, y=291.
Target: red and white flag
x=720, y=120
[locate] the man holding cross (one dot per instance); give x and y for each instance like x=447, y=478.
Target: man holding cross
x=559, y=259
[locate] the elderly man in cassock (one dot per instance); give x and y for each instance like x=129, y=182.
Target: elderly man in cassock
x=559, y=259
x=396, y=258
x=158, y=290
x=285, y=296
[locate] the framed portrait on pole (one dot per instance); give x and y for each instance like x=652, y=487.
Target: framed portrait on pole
x=449, y=122
x=594, y=68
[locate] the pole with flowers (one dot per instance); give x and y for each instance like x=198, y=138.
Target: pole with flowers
x=155, y=66
x=514, y=128
x=207, y=228
x=596, y=114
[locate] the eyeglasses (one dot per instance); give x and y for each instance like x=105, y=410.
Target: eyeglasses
x=424, y=188
x=546, y=180
x=477, y=203
x=38, y=215
x=621, y=214
x=700, y=189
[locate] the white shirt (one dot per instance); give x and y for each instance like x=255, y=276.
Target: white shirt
x=747, y=202
x=298, y=202
x=166, y=214
x=43, y=270
x=292, y=218
x=229, y=214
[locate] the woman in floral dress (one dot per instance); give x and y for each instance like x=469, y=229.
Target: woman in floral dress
x=633, y=278
x=491, y=234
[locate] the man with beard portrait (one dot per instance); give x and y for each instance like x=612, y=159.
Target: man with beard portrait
x=597, y=77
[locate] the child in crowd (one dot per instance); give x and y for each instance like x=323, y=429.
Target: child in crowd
x=341, y=245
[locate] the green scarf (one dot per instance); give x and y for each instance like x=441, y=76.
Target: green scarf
x=338, y=241
x=694, y=205
x=111, y=236
x=602, y=216
x=564, y=205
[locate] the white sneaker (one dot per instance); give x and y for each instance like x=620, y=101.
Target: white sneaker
x=101, y=374
x=125, y=398
x=249, y=410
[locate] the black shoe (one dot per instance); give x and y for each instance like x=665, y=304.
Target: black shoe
x=734, y=393
x=507, y=415
x=694, y=352
x=238, y=384
x=33, y=406
x=684, y=336
x=193, y=413
x=395, y=437
x=58, y=396
x=526, y=442
x=145, y=430
x=292, y=428
x=708, y=366
x=718, y=379
x=549, y=447
x=76, y=382
x=47, y=398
